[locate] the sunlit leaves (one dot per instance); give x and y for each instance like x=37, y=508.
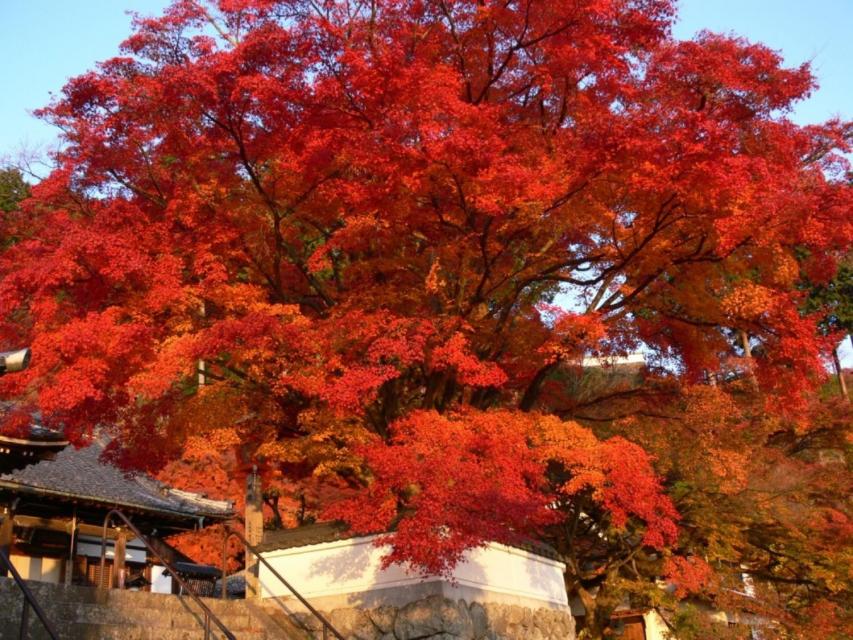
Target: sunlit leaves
x=446, y=483
x=317, y=237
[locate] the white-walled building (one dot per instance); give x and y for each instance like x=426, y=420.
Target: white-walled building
x=517, y=593
x=331, y=570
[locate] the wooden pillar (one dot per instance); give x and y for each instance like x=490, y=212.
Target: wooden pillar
x=69, y=562
x=254, y=522
x=118, y=560
x=7, y=537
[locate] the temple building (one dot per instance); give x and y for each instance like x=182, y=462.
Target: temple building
x=21, y=447
x=52, y=515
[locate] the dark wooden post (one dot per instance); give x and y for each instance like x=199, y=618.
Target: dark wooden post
x=72, y=544
x=254, y=521
x=118, y=559
x=7, y=536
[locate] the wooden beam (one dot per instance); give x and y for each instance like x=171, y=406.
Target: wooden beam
x=66, y=526
x=72, y=547
x=254, y=526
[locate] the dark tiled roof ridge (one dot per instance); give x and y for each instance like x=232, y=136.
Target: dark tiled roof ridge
x=37, y=434
x=334, y=530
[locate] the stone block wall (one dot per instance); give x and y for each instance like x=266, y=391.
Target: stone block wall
x=438, y=618
x=84, y=613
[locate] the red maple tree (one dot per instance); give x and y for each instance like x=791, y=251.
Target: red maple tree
x=365, y=221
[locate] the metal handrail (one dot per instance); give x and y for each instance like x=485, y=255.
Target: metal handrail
x=29, y=601
x=208, y=614
x=229, y=532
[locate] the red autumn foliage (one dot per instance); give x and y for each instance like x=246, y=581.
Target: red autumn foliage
x=459, y=480
x=688, y=575
x=446, y=483
x=15, y=421
x=363, y=219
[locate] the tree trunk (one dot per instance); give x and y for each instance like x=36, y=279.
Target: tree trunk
x=590, y=619
x=747, y=354
x=744, y=339
x=839, y=372
x=531, y=394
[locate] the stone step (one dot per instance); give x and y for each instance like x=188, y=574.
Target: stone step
x=79, y=631
x=91, y=621
x=124, y=632
x=189, y=618
x=186, y=614
x=92, y=614
x=90, y=631
x=276, y=622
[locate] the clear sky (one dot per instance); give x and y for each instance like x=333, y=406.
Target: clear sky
x=44, y=42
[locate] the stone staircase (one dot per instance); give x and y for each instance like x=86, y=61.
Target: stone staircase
x=83, y=613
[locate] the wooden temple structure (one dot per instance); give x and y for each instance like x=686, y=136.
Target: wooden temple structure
x=21, y=447
x=52, y=513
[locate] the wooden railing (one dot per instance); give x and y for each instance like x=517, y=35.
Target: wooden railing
x=208, y=614
x=229, y=533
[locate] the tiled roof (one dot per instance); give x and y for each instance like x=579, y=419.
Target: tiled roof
x=81, y=474
x=35, y=434
x=305, y=535
x=321, y=532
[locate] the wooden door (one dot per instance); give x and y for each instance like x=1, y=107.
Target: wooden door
x=634, y=631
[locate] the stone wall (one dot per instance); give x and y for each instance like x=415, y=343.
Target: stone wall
x=439, y=618
x=82, y=613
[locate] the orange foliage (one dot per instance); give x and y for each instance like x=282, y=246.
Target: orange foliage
x=689, y=575
x=359, y=217
x=446, y=483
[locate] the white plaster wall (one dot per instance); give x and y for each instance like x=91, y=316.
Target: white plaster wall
x=656, y=628
x=28, y=567
x=354, y=567
x=160, y=581
x=51, y=570
x=41, y=569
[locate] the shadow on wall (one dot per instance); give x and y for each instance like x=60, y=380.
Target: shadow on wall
x=349, y=573
x=355, y=568
x=353, y=563
x=553, y=581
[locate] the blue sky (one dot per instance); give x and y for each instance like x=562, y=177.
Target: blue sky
x=45, y=42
